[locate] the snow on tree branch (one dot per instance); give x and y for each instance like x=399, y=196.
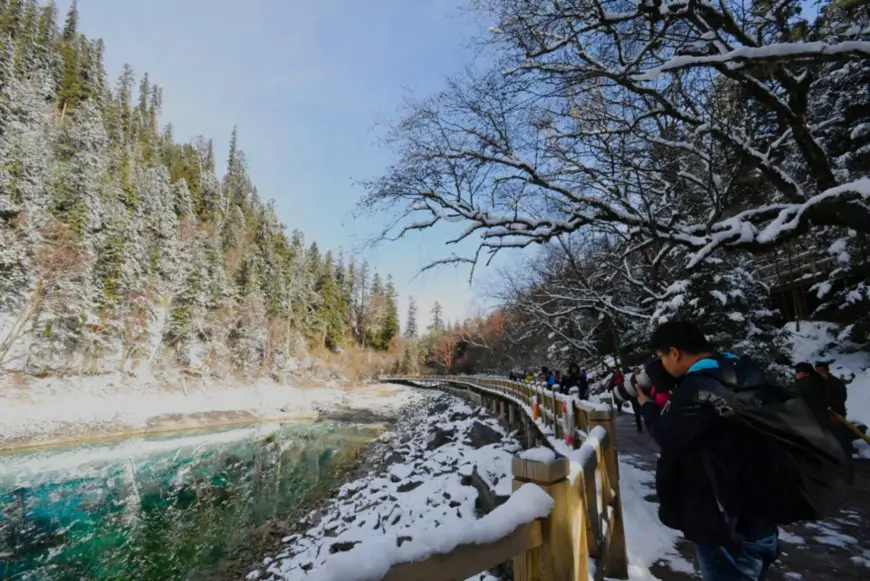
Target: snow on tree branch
x=699, y=124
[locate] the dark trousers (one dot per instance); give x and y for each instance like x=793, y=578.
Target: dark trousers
x=749, y=562
x=844, y=436
x=638, y=418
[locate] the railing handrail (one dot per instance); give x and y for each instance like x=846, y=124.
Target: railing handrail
x=576, y=530
x=468, y=559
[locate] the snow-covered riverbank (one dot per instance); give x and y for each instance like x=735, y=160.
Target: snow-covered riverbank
x=427, y=462
x=54, y=409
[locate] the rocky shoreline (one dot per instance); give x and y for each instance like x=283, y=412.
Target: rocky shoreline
x=269, y=536
x=440, y=461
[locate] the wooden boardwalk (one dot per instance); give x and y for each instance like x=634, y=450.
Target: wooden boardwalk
x=837, y=549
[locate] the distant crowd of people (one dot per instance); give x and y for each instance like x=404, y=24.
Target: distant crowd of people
x=576, y=378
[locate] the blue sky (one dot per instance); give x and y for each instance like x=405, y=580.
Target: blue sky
x=305, y=81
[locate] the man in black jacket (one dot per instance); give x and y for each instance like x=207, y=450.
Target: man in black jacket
x=836, y=388
x=836, y=394
x=703, y=460
x=811, y=386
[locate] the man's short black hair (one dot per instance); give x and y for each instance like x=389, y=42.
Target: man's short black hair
x=824, y=365
x=804, y=367
x=681, y=335
x=661, y=379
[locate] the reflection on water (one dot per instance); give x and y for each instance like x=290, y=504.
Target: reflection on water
x=160, y=508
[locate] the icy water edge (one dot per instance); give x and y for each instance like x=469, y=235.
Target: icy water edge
x=163, y=507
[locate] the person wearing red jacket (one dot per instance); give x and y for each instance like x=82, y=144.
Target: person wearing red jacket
x=617, y=378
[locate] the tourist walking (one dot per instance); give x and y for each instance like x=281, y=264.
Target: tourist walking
x=724, y=478
x=730, y=547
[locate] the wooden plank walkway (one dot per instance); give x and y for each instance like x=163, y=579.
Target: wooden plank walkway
x=837, y=549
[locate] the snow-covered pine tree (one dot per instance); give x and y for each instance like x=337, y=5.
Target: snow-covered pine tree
x=157, y=202
x=69, y=317
x=730, y=304
x=839, y=95
x=182, y=203
x=187, y=332
x=25, y=151
x=116, y=243
x=411, y=329
x=247, y=338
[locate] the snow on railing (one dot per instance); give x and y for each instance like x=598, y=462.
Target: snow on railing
x=455, y=551
x=583, y=534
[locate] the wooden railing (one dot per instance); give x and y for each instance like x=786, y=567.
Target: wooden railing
x=467, y=560
x=565, y=416
x=584, y=532
x=807, y=266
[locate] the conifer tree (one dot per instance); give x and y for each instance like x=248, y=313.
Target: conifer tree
x=411, y=330
x=437, y=325
x=70, y=87
x=120, y=246
x=329, y=314
x=390, y=327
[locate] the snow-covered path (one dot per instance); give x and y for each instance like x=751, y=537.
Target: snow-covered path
x=837, y=549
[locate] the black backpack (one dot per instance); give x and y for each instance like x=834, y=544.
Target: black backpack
x=801, y=471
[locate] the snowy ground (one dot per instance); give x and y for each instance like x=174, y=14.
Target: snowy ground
x=56, y=407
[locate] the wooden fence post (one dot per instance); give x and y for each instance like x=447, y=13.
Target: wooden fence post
x=616, y=559
x=531, y=438
x=554, y=560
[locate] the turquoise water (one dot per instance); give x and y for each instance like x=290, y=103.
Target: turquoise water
x=159, y=508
